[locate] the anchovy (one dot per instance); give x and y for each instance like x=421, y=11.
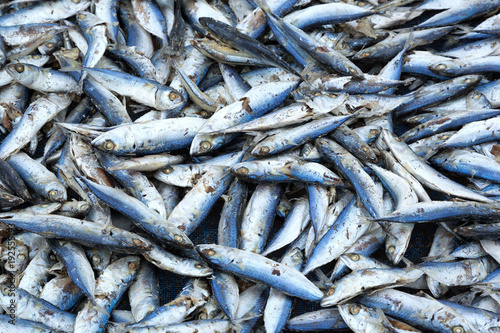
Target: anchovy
x=62, y=292
x=424, y=173
x=326, y=14
x=34, y=118
x=44, y=12
x=266, y=271
x=144, y=292
x=236, y=39
x=294, y=136
x=86, y=233
x=432, y=314
x=170, y=134
x=368, y=279
x=279, y=305
x=324, y=319
x=353, y=222
x=140, y=214
x=110, y=286
x=258, y=217
x=352, y=169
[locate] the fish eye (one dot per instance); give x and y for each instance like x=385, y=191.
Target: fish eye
x=168, y=170
x=354, y=257
x=37, y=56
x=108, y=145
x=205, y=145
x=323, y=142
x=204, y=114
x=354, y=310
x=440, y=67
x=366, y=54
x=50, y=45
x=138, y=242
x=458, y=329
x=468, y=81
x=476, y=96
x=21, y=257
x=352, y=70
x=210, y=252
x=81, y=16
x=173, y=96
x=242, y=170
x=203, y=316
x=132, y=265
x=84, y=206
x=265, y=150
x=52, y=193
x=198, y=266
x=178, y=238
x=331, y=291
x=96, y=259
x=374, y=131
x=75, y=1
x=391, y=249
x=19, y=68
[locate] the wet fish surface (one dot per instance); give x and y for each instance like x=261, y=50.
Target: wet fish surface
x=249, y=166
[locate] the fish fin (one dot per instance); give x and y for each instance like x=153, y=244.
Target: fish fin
x=421, y=293
x=117, y=166
x=70, y=69
x=408, y=42
x=445, y=226
x=305, y=73
x=409, y=81
x=324, y=282
x=384, y=227
x=56, y=267
x=408, y=263
x=98, y=307
x=262, y=4
x=136, y=108
x=225, y=197
x=112, y=327
x=286, y=170
x=385, y=321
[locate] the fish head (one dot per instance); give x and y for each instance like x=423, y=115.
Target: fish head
x=168, y=99
x=245, y=170
x=105, y=143
x=22, y=73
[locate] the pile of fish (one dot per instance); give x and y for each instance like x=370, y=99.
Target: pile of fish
x=328, y=130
